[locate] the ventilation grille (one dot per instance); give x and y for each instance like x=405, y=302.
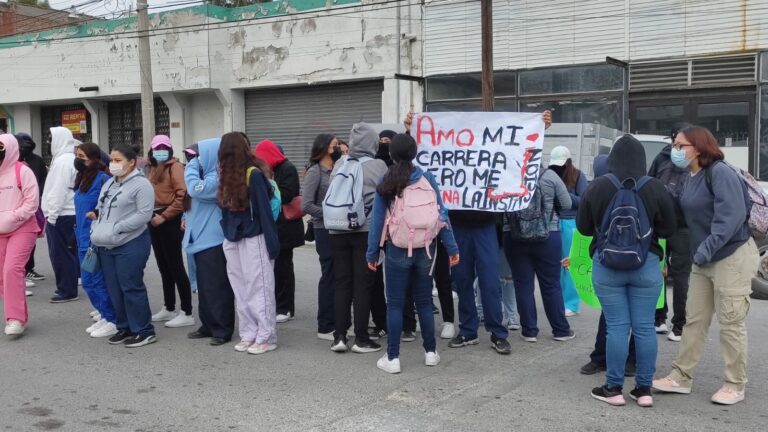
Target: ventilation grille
x=693, y=73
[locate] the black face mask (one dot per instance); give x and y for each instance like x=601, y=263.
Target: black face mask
x=80, y=165
x=336, y=155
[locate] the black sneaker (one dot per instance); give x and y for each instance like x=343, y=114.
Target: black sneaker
x=140, y=341
x=630, y=370
x=376, y=334
x=643, y=396
x=610, y=395
x=592, y=368
x=363, y=347
x=59, y=299
x=462, y=341
x=35, y=276
x=501, y=346
x=408, y=336
x=120, y=337
x=339, y=344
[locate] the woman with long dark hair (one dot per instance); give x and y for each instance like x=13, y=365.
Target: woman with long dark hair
x=325, y=152
x=576, y=182
x=251, y=244
x=715, y=204
x=167, y=176
x=407, y=269
x=88, y=183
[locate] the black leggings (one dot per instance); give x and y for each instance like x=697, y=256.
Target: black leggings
x=166, y=242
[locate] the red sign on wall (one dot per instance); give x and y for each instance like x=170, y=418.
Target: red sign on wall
x=75, y=121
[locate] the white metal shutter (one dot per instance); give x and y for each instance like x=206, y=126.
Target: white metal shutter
x=292, y=117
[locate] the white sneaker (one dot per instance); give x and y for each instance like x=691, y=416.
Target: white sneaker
x=14, y=328
x=673, y=337
x=662, y=329
x=243, y=346
x=570, y=313
x=325, y=336
x=261, y=348
x=97, y=325
x=93, y=313
x=106, y=330
x=448, y=331
x=281, y=318
x=29, y=283
x=387, y=365
x=96, y=318
x=513, y=325
x=431, y=358
x=28, y=293
x=181, y=320
x=434, y=292
x=79, y=282
x=164, y=315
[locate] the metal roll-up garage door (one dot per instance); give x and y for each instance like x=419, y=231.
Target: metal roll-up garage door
x=292, y=117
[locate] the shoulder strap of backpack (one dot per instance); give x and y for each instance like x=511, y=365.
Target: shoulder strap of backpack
x=642, y=182
x=248, y=174
x=614, y=180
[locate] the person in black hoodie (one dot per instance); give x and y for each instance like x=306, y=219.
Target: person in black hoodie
x=628, y=297
x=37, y=165
x=678, y=246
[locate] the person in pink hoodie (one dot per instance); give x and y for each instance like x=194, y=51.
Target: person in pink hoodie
x=19, y=200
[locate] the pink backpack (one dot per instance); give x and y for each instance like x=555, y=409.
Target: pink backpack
x=413, y=220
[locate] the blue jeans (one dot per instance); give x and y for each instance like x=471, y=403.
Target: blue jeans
x=538, y=260
x=96, y=288
x=123, y=269
x=326, y=286
x=66, y=266
x=405, y=274
x=629, y=300
x=479, y=250
x=570, y=295
x=508, y=300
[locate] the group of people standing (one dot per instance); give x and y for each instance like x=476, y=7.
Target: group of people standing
x=236, y=212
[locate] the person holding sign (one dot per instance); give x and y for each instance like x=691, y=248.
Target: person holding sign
x=627, y=289
x=408, y=216
x=715, y=204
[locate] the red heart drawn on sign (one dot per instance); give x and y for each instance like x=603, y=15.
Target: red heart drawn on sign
x=532, y=137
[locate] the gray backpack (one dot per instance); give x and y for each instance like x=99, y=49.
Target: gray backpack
x=344, y=203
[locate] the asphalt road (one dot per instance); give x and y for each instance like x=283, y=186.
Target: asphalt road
x=58, y=378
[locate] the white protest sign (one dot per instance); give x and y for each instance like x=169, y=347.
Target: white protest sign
x=487, y=161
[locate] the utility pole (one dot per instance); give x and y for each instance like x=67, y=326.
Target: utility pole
x=145, y=69
x=486, y=13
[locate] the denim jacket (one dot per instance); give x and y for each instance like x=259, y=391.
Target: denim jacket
x=379, y=214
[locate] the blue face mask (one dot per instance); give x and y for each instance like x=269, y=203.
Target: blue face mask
x=678, y=158
x=161, y=155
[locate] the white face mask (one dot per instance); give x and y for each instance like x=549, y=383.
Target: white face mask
x=116, y=169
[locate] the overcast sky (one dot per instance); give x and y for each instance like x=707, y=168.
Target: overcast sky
x=110, y=8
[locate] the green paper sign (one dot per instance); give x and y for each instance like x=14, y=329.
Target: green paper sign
x=581, y=270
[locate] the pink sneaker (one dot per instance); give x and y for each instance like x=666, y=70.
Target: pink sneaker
x=610, y=395
x=728, y=396
x=668, y=385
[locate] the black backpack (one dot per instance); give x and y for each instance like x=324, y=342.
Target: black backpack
x=530, y=224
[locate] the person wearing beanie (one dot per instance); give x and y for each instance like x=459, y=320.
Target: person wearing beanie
x=628, y=297
x=26, y=155
x=58, y=204
x=166, y=174
x=576, y=182
x=290, y=232
x=354, y=280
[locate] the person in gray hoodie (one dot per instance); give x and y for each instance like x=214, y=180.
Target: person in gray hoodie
x=354, y=280
x=58, y=204
x=119, y=232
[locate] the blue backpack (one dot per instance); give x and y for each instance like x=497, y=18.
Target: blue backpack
x=625, y=234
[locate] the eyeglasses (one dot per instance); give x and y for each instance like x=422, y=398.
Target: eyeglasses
x=679, y=146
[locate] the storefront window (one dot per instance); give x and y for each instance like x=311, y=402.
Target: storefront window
x=764, y=66
x=571, y=80
x=605, y=110
x=729, y=122
x=469, y=86
x=657, y=120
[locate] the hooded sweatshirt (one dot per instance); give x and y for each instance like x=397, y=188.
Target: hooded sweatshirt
x=59, y=195
x=17, y=206
x=290, y=233
x=600, y=165
x=125, y=209
x=203, y=220
x=168, y=180
x=86, y=202
x=364, y=142
x=672, y=177
x=627, y=160
x=26, y=154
